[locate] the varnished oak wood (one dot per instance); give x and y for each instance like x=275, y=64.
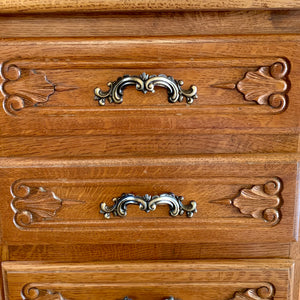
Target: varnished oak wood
x=157, y=251
x=171, y=160
x=221, y=151
x=47, y=6
x=145, y=145
x=151, y=280
x=71, y=110
x=151, y=24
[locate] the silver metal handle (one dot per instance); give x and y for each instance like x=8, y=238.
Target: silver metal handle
x=146, y=83
x=148, y=203
x=170, y=298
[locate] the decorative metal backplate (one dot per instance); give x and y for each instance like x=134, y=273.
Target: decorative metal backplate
x=148, y=203
x=146, y=83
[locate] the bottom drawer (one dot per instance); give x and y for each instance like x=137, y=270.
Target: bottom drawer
x=184, y=280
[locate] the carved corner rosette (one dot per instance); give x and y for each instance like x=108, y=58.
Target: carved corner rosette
x=24, y=88
x=265, y=292
x=146, y=83
x=262, y=201
x=148, y=203
x=30, y=292
x=33, y=204
x=268, y=85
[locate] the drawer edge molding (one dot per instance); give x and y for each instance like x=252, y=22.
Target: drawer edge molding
x=31, y=291
x=34, y=203
x=148, y=203
x=26, y=84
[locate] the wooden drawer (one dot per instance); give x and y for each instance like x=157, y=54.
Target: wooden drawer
x=247, y=100
x=185, y=280
x=242, y=199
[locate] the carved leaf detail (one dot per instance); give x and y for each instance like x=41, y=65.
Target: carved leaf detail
x=33, y=293
x=39, y=204
x=24, y=88
x=268, y=85
x=261, y=201
x=33, y=86
x=263, y=293
x=54, y=296
x=260, y=85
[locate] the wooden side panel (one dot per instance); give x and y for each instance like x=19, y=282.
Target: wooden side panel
x=204, y=280
x=243, y=202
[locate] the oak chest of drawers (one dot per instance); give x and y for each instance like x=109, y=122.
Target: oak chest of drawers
x=150, y=150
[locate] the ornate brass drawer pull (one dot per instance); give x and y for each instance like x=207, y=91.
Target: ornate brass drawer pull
x=146, y=83
x=170, y=298
x=148, y=203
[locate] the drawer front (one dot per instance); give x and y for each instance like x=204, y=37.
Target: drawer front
x=134, y=201
x=53, y=87
x=185, y=280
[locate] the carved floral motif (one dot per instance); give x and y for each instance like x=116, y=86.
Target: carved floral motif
x=266, y=292
x=24, y=88
x=33, y=204
x=261, y=201
x=267, y=85
x=30, y=292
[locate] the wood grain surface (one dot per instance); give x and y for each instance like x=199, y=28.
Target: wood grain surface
x=146, y=144
x=46, y=6
x=152, y=280
x=117, y=252
x=235, y=150
x=151, y=24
